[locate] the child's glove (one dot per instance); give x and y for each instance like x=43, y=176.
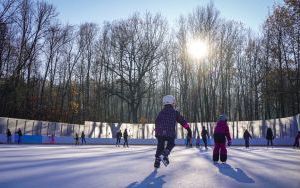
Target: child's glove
x=229, y=143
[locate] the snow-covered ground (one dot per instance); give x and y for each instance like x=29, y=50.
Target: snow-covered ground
x=28, y=166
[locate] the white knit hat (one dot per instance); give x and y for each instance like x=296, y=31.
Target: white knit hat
x=168, y=99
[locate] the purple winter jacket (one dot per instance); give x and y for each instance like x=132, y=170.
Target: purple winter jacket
x=165, y=122
x=221, y=132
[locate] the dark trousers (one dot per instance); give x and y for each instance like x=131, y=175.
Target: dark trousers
x=19, y=139
x=125, y=142
x=270, y=141
x=118, y=141
x=205, y=142
x=247, y=143
x=9, y=139
x=220, y=152
x=161, y=145
x=296, y=143
x=189, y=142
x=83, y=140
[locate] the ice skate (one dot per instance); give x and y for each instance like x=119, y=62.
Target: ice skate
x=157, y=162
x=165, y=160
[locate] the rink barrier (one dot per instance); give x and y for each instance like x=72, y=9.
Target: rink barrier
x=282, y=128
x=33, y=139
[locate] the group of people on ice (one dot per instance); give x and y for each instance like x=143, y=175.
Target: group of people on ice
x=165, y=124
x=82, y=137
x=9, y=136
x=119, y=136
x=204, y=136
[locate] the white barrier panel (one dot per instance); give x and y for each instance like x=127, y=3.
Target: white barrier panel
x=282, y=128
x=3, y=125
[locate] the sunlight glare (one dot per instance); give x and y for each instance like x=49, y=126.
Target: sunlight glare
x=197, y=49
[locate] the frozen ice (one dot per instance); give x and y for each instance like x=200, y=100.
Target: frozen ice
x=67, y=166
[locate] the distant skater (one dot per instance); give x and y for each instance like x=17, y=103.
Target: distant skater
x=8, y=136
x=83, y=138
x=19, y=136
x=198, y=142
x=76, y=139
x=221, y=132
x=52, y=139
x=165, y=124
x=247, y=136
x=118, y=136
x=269, y=137
x=204, y=135
x=297, y=140
x=125, y=136
x=188, y=141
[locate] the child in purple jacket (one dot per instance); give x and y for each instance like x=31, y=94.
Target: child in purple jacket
x=221, y=133
x=165, y=124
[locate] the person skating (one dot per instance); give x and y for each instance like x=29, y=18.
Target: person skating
x=204, y=135
x=8, y=135
x=188, y=141
x=125, y=136
x=247, y=136
x=198, y=142
x=19, y=136
x=221, y=133
x=269, y=137
x=165, y=124
x=52, y=139
x=297, y=140
x=118, y=136
x=82, y=137
x=76, y=139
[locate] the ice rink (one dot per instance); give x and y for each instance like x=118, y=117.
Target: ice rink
x=29, y=166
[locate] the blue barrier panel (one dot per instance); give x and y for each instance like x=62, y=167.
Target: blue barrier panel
x=30, y=139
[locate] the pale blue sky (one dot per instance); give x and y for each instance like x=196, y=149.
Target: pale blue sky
x=251, y=12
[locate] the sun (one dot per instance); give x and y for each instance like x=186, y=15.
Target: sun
x=197, y=48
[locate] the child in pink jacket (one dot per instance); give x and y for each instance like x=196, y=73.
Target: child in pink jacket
x=221, y=132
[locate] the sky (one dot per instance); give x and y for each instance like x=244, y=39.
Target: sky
x=250, y=12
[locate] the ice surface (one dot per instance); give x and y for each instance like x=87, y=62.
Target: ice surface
x=107, y=166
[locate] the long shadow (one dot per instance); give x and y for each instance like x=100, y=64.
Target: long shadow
x=62, y=160
x=236, y=174
x=267, y=162
x=149, y=181
x=225, y=169
x=265, y=153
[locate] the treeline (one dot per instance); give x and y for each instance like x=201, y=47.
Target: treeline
x=119, y=71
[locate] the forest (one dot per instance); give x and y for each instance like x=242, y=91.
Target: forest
x=120, y=70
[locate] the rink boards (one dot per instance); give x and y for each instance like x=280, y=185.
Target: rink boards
x=39, y=139
x=35, y=131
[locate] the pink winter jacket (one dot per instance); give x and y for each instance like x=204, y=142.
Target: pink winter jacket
x=221, y=132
